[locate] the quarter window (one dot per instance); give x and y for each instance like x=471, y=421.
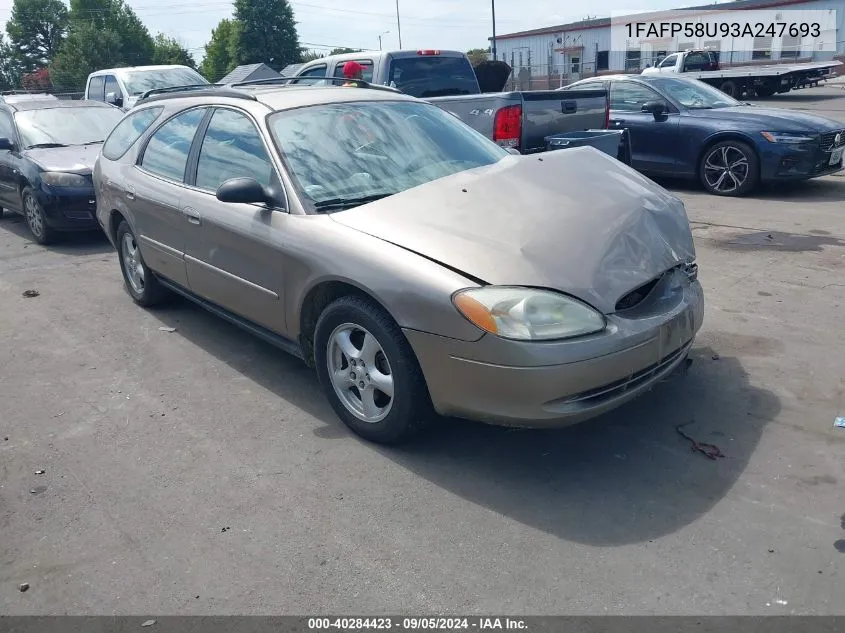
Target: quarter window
x=168, y=148
x=232, y=148
x=128, y=131
x=627, y=96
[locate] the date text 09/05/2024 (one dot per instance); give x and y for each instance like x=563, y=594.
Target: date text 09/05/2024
x=723, y=29
x=417, y=624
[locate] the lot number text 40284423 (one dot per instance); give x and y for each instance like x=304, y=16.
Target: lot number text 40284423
x=417, y=624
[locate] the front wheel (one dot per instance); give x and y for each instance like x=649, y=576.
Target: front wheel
x=729, y=88
x=729, y=168
x=35, y=219
x=369, y=372
x=141, y=283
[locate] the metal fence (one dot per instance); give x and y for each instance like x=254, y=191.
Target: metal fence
x=533, y=76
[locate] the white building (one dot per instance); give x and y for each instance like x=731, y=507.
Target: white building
x=556, y=55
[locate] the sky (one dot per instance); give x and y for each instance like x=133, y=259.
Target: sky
x=326, y=24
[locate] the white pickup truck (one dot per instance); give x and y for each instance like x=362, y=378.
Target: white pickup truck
x=763, y=81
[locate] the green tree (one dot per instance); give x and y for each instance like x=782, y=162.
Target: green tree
x=268, y=33
x=10, y=75
x=36, y=30
x=221, y=52
x=309, y=56
x=343, y=51
x=85, y=50
x=477, y=55
x=102, y=34
x=167, y=50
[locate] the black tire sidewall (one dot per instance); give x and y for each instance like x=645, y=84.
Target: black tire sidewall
x=734, y=88
x=751, y=180
x=411, y=406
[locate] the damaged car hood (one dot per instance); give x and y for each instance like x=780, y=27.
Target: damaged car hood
x=574, y=220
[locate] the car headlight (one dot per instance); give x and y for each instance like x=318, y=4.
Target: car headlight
x=790, y=137
x=61, y=179
x=527, y=314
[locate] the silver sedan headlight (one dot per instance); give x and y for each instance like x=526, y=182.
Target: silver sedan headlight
x=62, y=179
x=527, y=314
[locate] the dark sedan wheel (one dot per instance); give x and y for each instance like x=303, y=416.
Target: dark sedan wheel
x=729, y=168
x=369, y=372
x=35, y=220
x=141, y=283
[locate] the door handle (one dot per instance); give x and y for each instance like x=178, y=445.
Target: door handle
x=130, y=193
x=617, y=121
x=192, y=216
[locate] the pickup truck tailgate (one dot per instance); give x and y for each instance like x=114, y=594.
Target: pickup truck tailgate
x=547, y=112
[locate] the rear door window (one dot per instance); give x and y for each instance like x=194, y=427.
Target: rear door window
x=317, y=71
x=366, y=63
x=128, y=131
x=426, y=76
x=697, y=61
x=167, y=151
x=96, y=88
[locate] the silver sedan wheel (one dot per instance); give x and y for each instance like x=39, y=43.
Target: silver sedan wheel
x=360, y=373
x=726, y=169
x=132, y=265
x=33, y=216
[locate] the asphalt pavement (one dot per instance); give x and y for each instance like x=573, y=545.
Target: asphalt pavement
x=198, y=471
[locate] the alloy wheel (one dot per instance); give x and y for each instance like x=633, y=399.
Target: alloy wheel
x=132, y=265
x=34, y=219
x=726, y=169
x=360, y=372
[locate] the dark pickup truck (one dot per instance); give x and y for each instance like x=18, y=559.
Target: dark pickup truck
x=515, y=120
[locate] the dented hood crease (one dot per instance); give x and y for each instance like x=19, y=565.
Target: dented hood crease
x=574, y=220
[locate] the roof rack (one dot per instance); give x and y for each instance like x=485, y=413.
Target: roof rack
x=199, y=90
x=317, y=81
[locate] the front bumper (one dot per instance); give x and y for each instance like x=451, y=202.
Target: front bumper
x=798, y=162
x=561, y=382
x=68, y=209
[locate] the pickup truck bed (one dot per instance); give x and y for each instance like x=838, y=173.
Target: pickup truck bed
x=541, y=114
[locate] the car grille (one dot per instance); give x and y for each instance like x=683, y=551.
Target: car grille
x=614, y=389
x=828, y=140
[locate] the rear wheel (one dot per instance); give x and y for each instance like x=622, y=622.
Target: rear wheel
x=729, y=88
x=765, y=90
x=729, y=168
x=141, y=283
x=369, y=372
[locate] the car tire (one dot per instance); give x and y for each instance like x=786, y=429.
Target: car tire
x=35, y=219
x=352, y=367
x=743, y=168
x=140, y=282
x=729, y=88
x=766, y=90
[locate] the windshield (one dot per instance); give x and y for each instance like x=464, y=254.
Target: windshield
x=66, y=126
x=341, y=155
x=433, y=76
x=139, y=81
x=694, y=94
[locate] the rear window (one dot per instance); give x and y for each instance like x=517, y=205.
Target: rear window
x=433, y=76
x=128, y=131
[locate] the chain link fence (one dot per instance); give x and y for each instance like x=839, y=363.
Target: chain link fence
x=533, y=76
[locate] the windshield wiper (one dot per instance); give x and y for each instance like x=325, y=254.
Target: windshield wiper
x=43, y=145
x=334, y=204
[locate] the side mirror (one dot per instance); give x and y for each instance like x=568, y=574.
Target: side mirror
x=657, y=108
x=6, y=144
x=245, y=191
x=114, y=99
